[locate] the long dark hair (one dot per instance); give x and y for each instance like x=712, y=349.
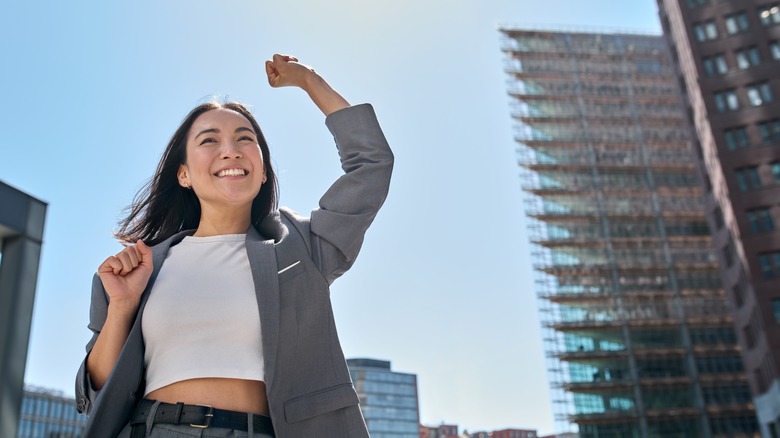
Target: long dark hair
x=162, y=207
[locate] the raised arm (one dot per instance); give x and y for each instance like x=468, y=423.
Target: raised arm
x=351, y=203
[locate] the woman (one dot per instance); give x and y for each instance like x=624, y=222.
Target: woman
x=222, y=325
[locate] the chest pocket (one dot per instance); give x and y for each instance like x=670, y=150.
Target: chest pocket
x=291, y=270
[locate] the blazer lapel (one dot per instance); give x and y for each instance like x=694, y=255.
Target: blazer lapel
x=262, y=260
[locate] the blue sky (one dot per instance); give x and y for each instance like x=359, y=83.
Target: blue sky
x=443, y=287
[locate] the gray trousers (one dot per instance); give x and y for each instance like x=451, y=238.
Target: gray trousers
x=185, y=430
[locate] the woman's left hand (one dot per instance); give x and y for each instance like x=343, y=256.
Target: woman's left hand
x=285, y=71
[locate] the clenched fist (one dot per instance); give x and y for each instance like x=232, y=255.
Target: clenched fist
x=126, y=274
x=285, y=70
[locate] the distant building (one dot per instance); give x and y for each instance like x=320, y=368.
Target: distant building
x=440, y=431
x=727, y=54
x=49, y=414
x=563, y=435
x=388, y=399
x=451, y=431
x=514, y=433
x=21, y=236
x=637, y=325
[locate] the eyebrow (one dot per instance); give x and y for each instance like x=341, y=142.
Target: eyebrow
x=217, y=131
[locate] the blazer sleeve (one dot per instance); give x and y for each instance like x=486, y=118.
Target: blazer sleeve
x=98, y=309
x=349, y=206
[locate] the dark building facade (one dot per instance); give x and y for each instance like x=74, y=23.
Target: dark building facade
x=49, y=414
x=21, y=236
x=637, y=327
x=388, y=399
x=727, y=54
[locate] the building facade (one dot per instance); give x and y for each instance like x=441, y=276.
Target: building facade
x=440, y=431
x=388, y=399
x=514, y=433
x=21, y=236
x=49, y=414
x=638, y=331
x=727, y=54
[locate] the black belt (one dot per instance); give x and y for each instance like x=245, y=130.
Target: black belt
x=200, y=416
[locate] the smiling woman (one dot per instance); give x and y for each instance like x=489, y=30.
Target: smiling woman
x=223, y=322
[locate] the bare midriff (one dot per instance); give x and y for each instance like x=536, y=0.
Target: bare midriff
x=231, y=394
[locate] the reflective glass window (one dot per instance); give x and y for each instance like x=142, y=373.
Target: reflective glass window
x=769, y=131
x=748, y=57
x=737, y=23
x=736, y=138
x=705, y=31
x=726, y=101
x=759, y=94
x=769, y=15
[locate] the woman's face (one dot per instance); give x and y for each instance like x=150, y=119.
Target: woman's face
x=224, y=165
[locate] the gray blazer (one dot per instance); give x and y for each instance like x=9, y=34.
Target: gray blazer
x=294, y=259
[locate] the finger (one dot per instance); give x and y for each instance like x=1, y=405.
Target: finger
x=133, y=255
x=269, y=67
x=112, y=265
x=127, y=264
x=278, y=58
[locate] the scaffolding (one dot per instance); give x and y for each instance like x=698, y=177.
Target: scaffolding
x=637, y=330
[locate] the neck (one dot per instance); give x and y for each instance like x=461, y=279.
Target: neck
x=223, y=221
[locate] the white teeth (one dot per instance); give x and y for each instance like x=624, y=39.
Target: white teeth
x=231, y=172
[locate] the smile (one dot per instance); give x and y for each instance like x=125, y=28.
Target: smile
x=231, y=172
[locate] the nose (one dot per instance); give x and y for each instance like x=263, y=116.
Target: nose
x=231, y=150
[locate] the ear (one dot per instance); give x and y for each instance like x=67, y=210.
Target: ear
x=183, y=176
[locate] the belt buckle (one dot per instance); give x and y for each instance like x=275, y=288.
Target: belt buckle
x=207, y=417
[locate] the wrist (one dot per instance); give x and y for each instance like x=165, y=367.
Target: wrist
x=312, y=82
x=122, y=309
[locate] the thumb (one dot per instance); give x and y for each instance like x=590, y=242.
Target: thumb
x=145, y=251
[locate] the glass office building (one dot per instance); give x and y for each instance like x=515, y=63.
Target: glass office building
x=388, y=399
x=49, y=414
x=637, y=328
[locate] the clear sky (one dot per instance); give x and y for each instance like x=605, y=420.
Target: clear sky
x=443, y=286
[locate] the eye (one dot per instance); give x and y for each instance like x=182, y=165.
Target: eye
x=246, y=137
x=208, y=140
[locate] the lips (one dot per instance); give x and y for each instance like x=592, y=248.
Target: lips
x=231, y=172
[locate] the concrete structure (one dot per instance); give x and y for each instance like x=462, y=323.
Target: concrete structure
x=638, y=330
x=388, y=399
x=727, y=54
x=49, y=414
x=21, y=234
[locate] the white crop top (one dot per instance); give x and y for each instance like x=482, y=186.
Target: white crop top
x=202, y=319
